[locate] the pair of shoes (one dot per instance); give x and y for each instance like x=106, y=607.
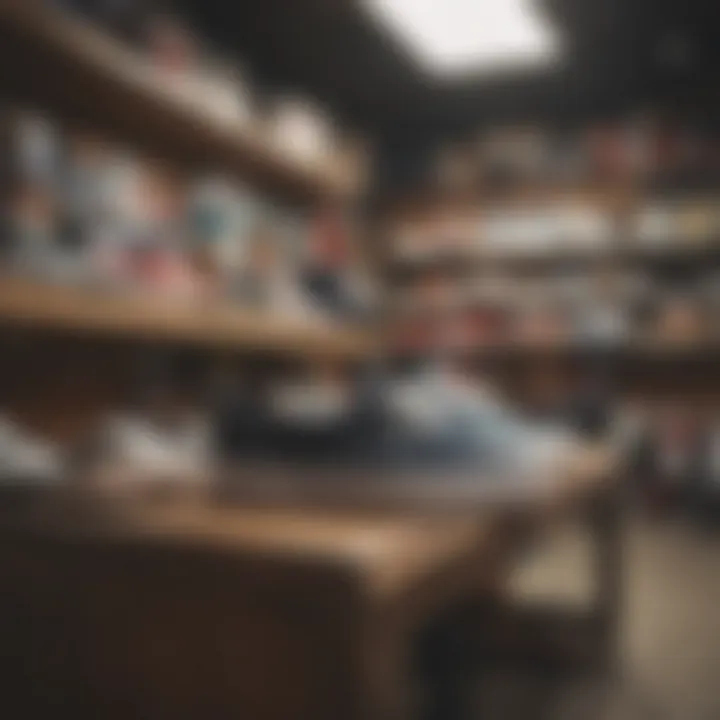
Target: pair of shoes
x=443, y=420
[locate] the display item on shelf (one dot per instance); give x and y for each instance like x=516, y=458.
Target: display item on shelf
x=607, y=152
x=332, y=276
x=628, y=427
x=25, y=458
x=351, y=159
x=225, y=92
x=680, y=321
x=654, y=227
x=220, y=220
x=697, y=223
x=257, y=282
x=136, y=447
x=324, y=401
x=164, y=436
x=679, y=442
x=516, y=154
x=600, y=324
x=602, y=312
x=174, y=55
x=301, y=129
x=447, y=418
x=171, y=46
x=416, y=241
x=637, y=141
x=585, y=228
x=455, y=169
x=34, y=226
x=266, y=279
x=36, y=146
x=568, y=161
x=668, y=148
x=542, y=326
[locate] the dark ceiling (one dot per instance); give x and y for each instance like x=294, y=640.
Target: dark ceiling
x=618, y=53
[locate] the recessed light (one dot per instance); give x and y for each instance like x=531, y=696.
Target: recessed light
x=449, y=36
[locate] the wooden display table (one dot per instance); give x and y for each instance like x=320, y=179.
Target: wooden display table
x=194, y=610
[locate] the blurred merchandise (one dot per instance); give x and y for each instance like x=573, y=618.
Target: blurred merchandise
x=260, y=275
x=174, y=54
x=333, y=275
x=542, y=326
x=225, y=92
x=445, y=417
x=519, y=154
x=679, y=224
x=33, y=227
x=146, y=449
x=36, y=149
x=653, y=227
x=639, y=147
x=455, y=169
x=301, y=129
x=601, y=325
x=25, y=458
x=674, y=461
x=610, y=154
x=680, y=321
x=163, y=438
x=698, y=222
x=85, y=211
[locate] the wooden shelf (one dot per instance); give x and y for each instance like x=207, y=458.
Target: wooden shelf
x=467, y=261
x=646, y=352
x=418, y=202
x=64, y=64
x=33, y=305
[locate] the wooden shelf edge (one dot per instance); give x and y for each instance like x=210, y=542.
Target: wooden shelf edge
x=43, y=307
x=644, y=351
x=698, y=254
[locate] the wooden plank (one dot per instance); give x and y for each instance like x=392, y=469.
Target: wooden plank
x=215, y=324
